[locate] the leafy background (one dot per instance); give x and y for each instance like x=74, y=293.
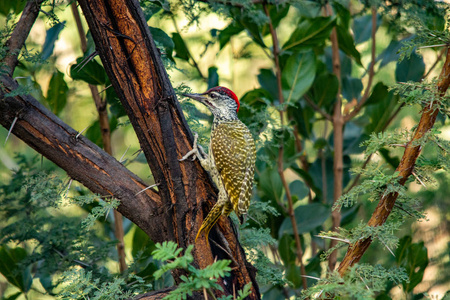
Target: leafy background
x=43, y=244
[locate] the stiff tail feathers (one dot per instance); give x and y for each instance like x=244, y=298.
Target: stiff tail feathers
x=210, y=220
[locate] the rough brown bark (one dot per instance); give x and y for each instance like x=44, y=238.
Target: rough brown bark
x=185, y=191
x=405, y=168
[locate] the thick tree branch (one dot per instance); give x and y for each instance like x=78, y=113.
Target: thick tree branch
x=405, y=168
x=79, y=157
x=20, y=34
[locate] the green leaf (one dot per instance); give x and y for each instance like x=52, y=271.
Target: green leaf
x=268, y=81
x=390, y=54
x=142, y=243
x=16, y=6
x=351, y=88
x=310, y=33
x=164, y=40
x=324, y=91
x=414, y=258
x=270, y=184
x=285, y=245
x=181, y=50
x=347, y=44
x=379, y=109
x=12, y=267
x=298, y=75
x=308, y=217
x=57, y=92
x=299, y=189
x=213, y=77
x=244, y=20
x=226, y=34
x=91, y=72
x=277, y=13
x=362, y=28
x=304, y=118
x=410, y=69
x=50, y=39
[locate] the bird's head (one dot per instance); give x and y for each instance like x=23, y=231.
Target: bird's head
x=221, y=101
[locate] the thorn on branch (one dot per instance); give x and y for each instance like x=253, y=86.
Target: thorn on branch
x=78, y=135
x=149, y=187
x=121, y=158
x=334, y=238
x=417, y=177
x=11, y=128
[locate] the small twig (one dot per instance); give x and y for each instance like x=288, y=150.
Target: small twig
x=78, y=135
x=317, y=108
x=398, y=145
x=364, y=282
x=435, y=63
x=149, y=187
x=401, y=208
x=105, y=89
x=10, y=129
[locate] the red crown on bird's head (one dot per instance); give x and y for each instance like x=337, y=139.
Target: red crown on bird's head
x=225, y=91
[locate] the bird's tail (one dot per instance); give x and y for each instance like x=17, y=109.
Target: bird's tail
x=210, y=220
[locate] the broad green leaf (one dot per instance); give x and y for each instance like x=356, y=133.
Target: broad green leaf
x=11, y=266
x=141, y=243
x=310, y=33
x=292, y=274
x=213, y=77
x=50, y=39
x=181, y=50
x=324, y=91
x=414, y=258
x=16, y=6
x=410, y=69
x=347, y=44
x=57, y=92
x=285, y=249
x=308, y=217
x=353, y=137
x=299, y=189
x=362, y=28
x=277, y=13
x=94, y=132
x=298, y=75
x=164, y=40
x=351, y=88
x=250, y=25
x=91, y=72
x=390, y=54
x=304, y=117
x=378, y=109
x=268, y=81
x=226, y=34
x=270, y=184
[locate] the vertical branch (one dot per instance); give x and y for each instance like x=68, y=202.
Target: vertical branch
x=276, y=52
x=105, y=130
x=409, y=158
x=20, y=34
x=338, y=140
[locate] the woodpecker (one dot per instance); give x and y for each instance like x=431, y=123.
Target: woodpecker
x=231, y=158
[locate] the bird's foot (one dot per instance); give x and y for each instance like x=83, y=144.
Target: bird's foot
x=196, y=152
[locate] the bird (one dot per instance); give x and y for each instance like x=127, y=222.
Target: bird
x=231, y=158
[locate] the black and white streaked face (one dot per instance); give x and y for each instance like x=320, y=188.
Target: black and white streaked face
x=221, y=101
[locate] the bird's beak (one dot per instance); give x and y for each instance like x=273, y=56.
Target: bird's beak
x=198, y=97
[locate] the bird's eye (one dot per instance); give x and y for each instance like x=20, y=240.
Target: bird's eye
x=213, y=95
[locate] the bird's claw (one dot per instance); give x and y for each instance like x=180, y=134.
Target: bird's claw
x=195, y=150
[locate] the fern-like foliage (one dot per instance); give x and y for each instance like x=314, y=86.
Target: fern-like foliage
x=195, y=279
